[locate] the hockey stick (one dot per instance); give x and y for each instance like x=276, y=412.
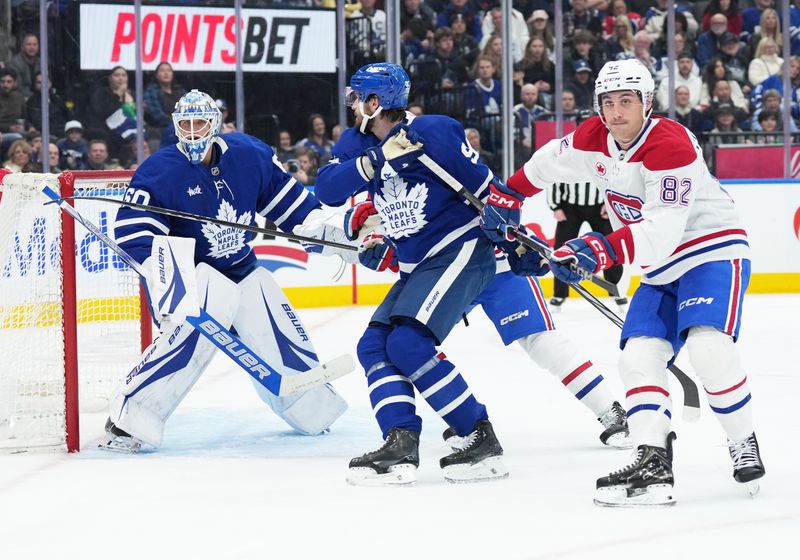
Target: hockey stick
x=199, y=218
x=528, y=242
x=221, y=337
x=691, y=395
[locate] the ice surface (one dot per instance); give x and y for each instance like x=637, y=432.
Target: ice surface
x=233, y=482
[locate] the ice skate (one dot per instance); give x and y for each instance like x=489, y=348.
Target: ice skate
x=648, y=481
x=615, y=422
x=747, y=465
x=394, y=464
x=479, y=457
x=622, y=305
x=556, y=303
x=119, y=440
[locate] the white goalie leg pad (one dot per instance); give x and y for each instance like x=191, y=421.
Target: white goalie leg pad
x=643, y=369
x=268, y=323
x=554, y=352
x=714, y=356
x=172, y=364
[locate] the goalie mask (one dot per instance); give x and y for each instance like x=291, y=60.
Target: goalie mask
x=625, y=75
x=197, y=121
x=388, y=82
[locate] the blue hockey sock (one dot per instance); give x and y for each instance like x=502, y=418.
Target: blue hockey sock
x=390, y=392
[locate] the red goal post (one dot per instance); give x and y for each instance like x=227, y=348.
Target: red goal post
x=73, y=317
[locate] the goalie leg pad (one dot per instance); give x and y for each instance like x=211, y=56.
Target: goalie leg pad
x=554, y=352
x=172, y=364
x=412, y=348
x=643, y=369
x=268, y=324
x=714, y=356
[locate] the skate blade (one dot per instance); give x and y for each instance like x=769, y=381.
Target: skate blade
x=753, y=487
x=491, y=468
x=398, y=475
x=657, y=495
x=117, y=445
x=620, y=441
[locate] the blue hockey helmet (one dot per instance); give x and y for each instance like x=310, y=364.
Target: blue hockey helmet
x=197, y=121
x=388, y=82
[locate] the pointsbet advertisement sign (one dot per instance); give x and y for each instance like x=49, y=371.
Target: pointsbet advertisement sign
x=204, y=38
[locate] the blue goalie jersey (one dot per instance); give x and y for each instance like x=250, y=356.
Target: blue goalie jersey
x=244, y=179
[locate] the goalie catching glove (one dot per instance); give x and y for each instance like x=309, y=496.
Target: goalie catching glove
x=591, y=252
x=401, y=147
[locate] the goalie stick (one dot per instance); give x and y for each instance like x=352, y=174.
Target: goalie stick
x=691, y=395
x=199, y=218
x=221, y=337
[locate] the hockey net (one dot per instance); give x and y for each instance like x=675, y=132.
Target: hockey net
x=73, y=321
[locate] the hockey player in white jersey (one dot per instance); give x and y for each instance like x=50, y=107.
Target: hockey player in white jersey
x=232, y=177
x=671, y=217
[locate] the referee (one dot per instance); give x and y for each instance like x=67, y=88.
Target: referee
x=572, y=205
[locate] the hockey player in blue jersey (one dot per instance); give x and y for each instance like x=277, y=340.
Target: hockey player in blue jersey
x=515, y=304
x=232, y=177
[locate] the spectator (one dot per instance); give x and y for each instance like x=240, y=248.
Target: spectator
x=641, y=51
x=73, y=148
x=685, y=113
x=724, y=122
x=568, y=105
x=464, y=44
x=662, y=66
x=733, y=55
x=716, y=72
x=374, y=44
x=722, y=96
x=59, y=114
x=468, y=14
x=583, y=48
x=730, y=9
x=303, y=165
x=493, y=50
x=336, y=133
x=161, y=95
x=12, y=105
x=769, y=122
x=655, y=16
x=708, y=42
x=34, y=140
x=317, y=139
x=536, y=68
x=581, y=16
x=661, y=45
x=685, y=77
x=26, y=63
x=419, y=20
x=451, y=67
x=493, y=25
x=621, y=41
x=524, y=114
x=129, y=158
x=484, y=97
x=772, y=100
x=766, y=62
x=487, y=157
x=285, y=148
x=54, y=156
x=225, y=124
x=112, y=114
x=415, y=109
x=751, y=17
x=97, y=156
x=19, y=155
x=770, y=26
x=539, y=26
x=582, y=86
x=620, y=8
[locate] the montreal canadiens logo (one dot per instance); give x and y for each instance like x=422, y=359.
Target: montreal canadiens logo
x=627, y=208
x=275, y=257
x=600, y=169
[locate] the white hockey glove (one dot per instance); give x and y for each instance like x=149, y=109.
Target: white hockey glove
x=399, y=149
x=325, y=225
x=170, y=279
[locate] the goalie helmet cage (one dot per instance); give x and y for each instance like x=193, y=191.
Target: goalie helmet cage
x=73, y=317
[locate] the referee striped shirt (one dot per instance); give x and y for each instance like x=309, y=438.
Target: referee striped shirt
x=577, y=194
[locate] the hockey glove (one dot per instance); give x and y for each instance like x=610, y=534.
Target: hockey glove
x=378, y=253
x=591, y=252
x=524, y=261
x=360, y=220
x=501, y=213
x=399, y=149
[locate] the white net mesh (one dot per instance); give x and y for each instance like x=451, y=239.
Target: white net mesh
x=32, y=401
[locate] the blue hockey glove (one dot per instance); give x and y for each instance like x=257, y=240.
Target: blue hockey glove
x=501, y=212
x=360, y=215
x=591, y=252
x=524, y=261
x=378, y=253
x=401, y=147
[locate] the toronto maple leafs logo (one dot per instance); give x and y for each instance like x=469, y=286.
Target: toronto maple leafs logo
x=402, y=210
x=224, y=241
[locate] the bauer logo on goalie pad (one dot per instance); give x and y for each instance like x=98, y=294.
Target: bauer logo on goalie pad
x=234, y=349
x=173, y=290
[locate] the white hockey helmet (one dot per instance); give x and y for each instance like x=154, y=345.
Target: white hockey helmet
x=201, y=120
x=625, y=75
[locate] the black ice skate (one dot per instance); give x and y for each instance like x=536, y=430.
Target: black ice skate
x=394, y=464
x=747, y=465
x=479, y=457
x=119, y=440
x=615, y=422
x=648, y=481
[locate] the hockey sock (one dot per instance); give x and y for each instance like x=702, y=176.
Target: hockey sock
x=390, y=392
x=412, y=348
x=714, y=357
x=557, y=354
x=642, y=367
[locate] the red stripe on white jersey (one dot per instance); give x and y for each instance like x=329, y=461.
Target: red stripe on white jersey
x=733, y=302
x=647, y=389
x=729, y=389
x=576, y=372
x=703, y=238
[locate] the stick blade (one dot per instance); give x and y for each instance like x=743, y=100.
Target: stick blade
x=323, y=373
x=691, y=413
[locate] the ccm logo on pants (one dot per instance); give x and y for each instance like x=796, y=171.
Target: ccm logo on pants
x=513, y=317
x=695, y=301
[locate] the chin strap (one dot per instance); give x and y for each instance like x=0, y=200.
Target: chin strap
x=366, y=118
